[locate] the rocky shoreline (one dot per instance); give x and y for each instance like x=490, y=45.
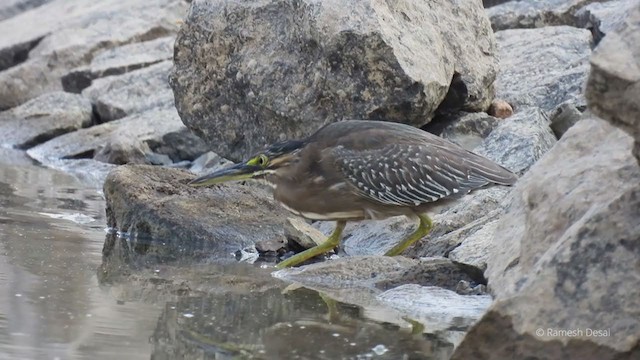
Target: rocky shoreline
x=139, y=96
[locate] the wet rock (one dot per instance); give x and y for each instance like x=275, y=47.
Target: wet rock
x=517, y=143
x=563, y=117
x=65, y=34
x=11, y=8
x=535, y=14
x=44, y=118
x=380, y=272
x=303, y=234
x=336, y=60
x=165, y=219
x=115, y=97
x=500, y=109
x=543, y=67
x=613, y=88
x=208, y=163
x=604, y=17
x=565, y=255
x=122, y=139
x=119, y=60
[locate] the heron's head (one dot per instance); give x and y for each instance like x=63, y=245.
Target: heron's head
x=276, y=156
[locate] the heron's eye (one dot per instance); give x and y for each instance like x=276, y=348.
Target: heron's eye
x=263, y=160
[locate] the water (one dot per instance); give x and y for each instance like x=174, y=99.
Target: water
x=60, y=299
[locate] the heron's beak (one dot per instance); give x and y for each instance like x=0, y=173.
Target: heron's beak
x=240, y=171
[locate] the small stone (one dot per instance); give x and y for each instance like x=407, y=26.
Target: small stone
x=500, y=109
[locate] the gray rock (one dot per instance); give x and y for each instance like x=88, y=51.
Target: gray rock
x=613, y=88
x=11, y=8
x=118, y=96
x=65, y=34
x=165, y=219
x=565, y=255
x=180, y=145
x=119, y=60
x=475, y=241
x=535, y=14
x=44, y=118
x=605, y=16
x=543, y=67
x=563, y=117
x=470, y=129
x=208, y=163
x=118, y=137
x=380, y=272
x=284, y=68
x=517, y=143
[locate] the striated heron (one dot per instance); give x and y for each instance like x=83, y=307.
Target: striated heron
x=357, y=169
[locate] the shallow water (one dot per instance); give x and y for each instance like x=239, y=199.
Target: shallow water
x=59, y=299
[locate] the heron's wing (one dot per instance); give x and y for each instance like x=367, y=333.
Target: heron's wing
x=409, y=175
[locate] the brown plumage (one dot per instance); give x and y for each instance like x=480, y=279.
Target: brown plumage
x=355, y=170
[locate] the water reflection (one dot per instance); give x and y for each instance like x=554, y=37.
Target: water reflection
x=50, y=302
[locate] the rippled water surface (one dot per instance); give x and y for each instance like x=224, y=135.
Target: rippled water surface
x=60, y=300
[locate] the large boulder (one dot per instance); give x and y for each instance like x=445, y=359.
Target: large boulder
x=165, y=219
x=253, y=72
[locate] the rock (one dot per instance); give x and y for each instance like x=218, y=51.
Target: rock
x=208, y=163
x=543, y=67
x=44, y=118
x=179, y=145
x=535, y=14
x=303, y=234
x=563, y=117
x=115, y=140
x=118, y=96
x=380, y=272
x=517, y=143
x=500, y=109
x=119, y=60
x=165, y=219
x=122, y=150
x=604, y=17
x=11, y=8
x=475, y=245
x=565, y=255
x=613, y=88
x=470, y=129
x=284, y=68
x=65, y=34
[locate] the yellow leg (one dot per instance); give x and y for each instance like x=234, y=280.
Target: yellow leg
x=423, y=229
x=329, y=244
